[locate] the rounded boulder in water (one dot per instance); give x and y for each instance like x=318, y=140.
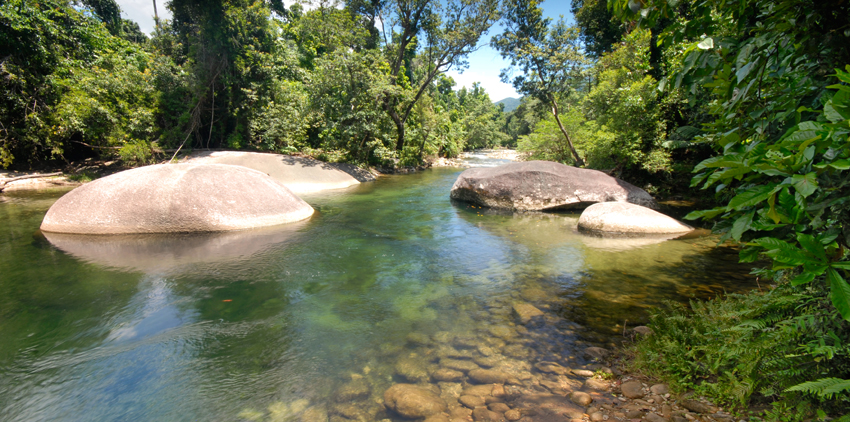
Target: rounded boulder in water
x=619, y=217
x=176, y=198
x=543, y=185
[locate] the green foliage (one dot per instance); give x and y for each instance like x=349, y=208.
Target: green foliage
x=759, y=346
x=137, y=153
x=600, y=29
x=780, y=132
x=550, y=59
x=624, y=109
x=346, y=89
x=547, y=142
x=66, y=79
x=449, y=31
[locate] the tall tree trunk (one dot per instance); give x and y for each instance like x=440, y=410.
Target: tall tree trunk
x=399, y=126
x=155, y=15
x=579, y=161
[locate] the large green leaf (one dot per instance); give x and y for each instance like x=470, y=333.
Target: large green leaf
x=706, y=214
x=803, y=278
x=805, y=184
x=840, y=293
x=742, y=224
x=812, y=245
x=784, y=252
x=752, y=197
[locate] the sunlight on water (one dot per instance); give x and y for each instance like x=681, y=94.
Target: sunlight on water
x=387, y=282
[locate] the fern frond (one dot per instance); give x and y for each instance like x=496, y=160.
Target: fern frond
x=823, y=388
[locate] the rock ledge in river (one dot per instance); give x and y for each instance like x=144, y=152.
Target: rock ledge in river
x=543, y=185
x=176, y=198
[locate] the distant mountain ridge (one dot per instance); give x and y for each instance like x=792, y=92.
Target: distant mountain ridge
x=510, y=103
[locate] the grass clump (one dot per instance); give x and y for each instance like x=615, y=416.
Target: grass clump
x=786, y=348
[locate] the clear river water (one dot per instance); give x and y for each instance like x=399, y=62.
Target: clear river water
x=387, y=280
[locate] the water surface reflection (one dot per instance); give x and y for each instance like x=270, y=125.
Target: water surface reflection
x=387, y=283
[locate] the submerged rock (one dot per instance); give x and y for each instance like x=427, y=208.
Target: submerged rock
x=628, y=218
x=526, y=312
x=491, y=376
x=413, y=402
x=543, y=185
x=176, y=198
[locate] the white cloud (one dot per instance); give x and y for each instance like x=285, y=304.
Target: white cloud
x=495, y=88
x=141, y=11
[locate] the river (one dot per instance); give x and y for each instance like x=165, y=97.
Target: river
x=384, y=284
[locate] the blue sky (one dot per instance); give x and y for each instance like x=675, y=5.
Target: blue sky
x=484, y=65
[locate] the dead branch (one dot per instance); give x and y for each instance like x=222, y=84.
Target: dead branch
x=29, y=176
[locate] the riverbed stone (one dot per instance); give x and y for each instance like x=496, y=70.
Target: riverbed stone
x=583, y=373
x=654, y=417
x=551, y=368
x=543, y=185
x=488, y=361
x=526, y=312
x=447, y=375
x=659, y=389
x=458, y=365
x=499, y=407
x=471, y=401
x=513, y=415
x=354, y=390
x=632, y=389
x=439, y=417
x=618, y=217
x=698, y=407
x=176, y=198
x=412, y=369
x=482, y=414
x=479, y=390
x=534, y=294
x=491, y=376
x=595, y=384
x=502, y=332
x=596, y=353
x=581, y=398
x=411, y=401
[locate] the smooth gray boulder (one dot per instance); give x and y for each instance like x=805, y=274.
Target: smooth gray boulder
x=543, y=185
x=618, y=217
x=176, y=198
x=299, y=174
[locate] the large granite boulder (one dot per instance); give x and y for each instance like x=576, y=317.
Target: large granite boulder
x=176, y=198
x=619, y=217
x=543, y=185
x=299, y=174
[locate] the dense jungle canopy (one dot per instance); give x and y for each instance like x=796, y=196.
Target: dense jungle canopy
x=751, y=96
